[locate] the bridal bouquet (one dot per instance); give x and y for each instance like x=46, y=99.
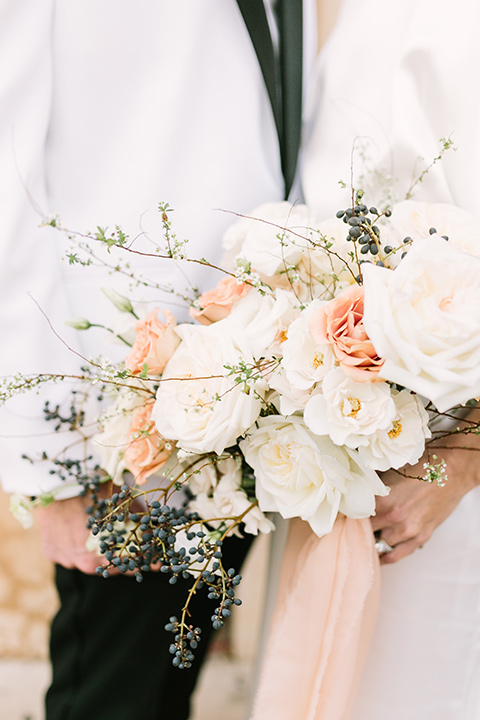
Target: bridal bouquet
x=324, y=355
x=359, y=332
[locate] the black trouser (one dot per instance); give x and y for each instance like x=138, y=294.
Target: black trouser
x=109, y=649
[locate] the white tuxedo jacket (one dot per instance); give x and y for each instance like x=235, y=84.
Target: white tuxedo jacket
x=108, y=107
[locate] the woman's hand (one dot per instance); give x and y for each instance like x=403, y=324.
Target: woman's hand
x=407, y=517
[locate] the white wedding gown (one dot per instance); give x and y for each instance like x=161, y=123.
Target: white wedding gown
x=393, y=78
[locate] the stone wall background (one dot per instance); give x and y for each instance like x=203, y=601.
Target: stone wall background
x=27, y=596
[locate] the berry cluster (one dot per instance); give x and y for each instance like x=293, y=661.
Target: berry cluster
x=221, y=587
x=136, y=541
x=186, y=640
x=74, y=420
x=364, y=232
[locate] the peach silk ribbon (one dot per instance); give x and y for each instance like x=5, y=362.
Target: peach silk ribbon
x=322, y=623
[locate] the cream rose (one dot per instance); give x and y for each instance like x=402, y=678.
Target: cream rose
x=198, y=403
x=301, y=475
x=404, y=442
x=263, y=321
x=305, y=360
x=424, y=319
x=263, y=242
x=202, y=475
x=349, y=412
x=415, y=219
x=226, y=499
x=286, y=398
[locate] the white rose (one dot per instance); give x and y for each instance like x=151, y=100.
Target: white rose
x=226, y=499
x=262, y=320
x=263, y=242
x=414, y=219
x=404, y=442
x=205, y=506
x=201, y=406
x=287, y=399
x=201, y=475
x=257, y=522
x=349, y=411
x=323, y=273
x=305, y=362
x=301, y=475
x=207, y=473
x=424, y=319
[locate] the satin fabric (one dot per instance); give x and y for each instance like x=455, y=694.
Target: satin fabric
x=322, y=624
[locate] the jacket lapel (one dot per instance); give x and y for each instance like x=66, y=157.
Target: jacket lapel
x=283, y=79
x=290, y=22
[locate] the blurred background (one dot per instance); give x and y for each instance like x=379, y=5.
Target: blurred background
x=28, y=601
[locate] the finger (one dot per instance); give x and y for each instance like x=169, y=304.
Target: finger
x=88, y=563
x=400, y=551
x=69, y=559
x=113, y=570
x=400, y=533
x=383, y=515
x=396, y=535
x=378, y=522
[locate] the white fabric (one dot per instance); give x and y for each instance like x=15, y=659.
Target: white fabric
x=107, y=109
x=395, y=77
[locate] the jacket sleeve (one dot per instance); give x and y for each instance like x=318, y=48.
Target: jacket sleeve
x=30, y=276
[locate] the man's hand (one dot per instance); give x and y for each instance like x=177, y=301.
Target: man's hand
x=63, y=529
x=64, y=533
x=408, y=516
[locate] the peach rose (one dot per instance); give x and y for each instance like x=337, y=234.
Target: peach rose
x=340, y=323
x=147, y=450
x=154, y=344
x=216, y=304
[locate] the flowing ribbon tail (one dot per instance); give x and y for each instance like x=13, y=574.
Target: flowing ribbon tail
x=322, y=624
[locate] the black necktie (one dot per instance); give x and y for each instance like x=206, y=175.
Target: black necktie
x=283, y=79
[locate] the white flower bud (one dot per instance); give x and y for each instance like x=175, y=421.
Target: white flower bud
x=120, y=301
x=78, y=323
